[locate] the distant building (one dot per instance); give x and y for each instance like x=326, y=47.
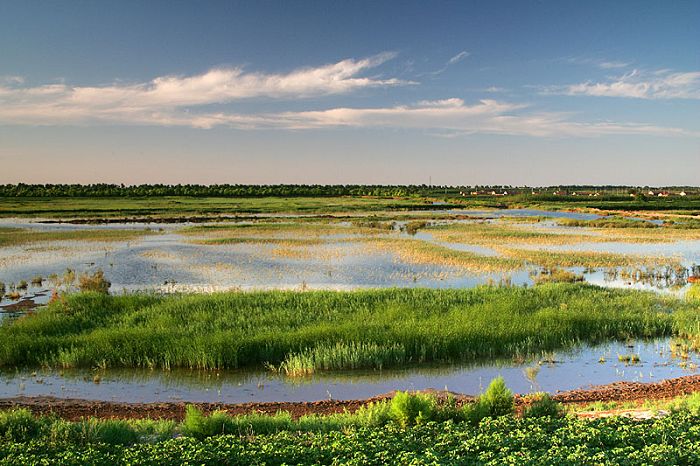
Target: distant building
x=682, y=193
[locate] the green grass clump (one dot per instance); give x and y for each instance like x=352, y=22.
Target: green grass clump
x=18, y=425
x=411, y=408
x=343, y=356
x=688, y=403
x=628, y=358
x=540, y=405
x=693, y=293
x=496, y=401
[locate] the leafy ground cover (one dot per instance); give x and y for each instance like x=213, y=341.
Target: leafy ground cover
x=674, y=439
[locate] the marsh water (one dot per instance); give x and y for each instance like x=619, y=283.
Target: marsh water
x=564, y=370
x=166, y=260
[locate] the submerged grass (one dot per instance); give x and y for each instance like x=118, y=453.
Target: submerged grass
x=19, y=236
x=378, y=328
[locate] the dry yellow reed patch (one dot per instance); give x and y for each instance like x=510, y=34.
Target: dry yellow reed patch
x=545, y=258
x=415, y=251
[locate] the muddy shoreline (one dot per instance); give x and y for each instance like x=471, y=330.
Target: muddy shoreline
x=75, y=409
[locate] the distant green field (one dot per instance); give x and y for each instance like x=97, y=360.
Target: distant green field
x=63, y=207
x=182, y=206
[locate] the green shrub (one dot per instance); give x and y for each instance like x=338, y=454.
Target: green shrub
x=411, y=408
x=496, y=401
x=448, y=410
x=689, y=403
x=195, y=423
x=693, y=293
x=474, y=412
x=498, y=398
x=541, y=405
x=376, y=413
x=116, y=432
x=18, y=425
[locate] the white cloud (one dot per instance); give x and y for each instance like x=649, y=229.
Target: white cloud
x=443, y=117
x=454, y=116
x=608, y=65
x=187, y=101
x=597, y=62
x=56, y=103
x=660, y=84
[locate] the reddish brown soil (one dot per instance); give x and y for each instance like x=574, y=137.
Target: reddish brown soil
x=76, y=409
x=631, y=391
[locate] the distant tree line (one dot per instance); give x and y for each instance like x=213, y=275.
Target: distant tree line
x=217, y=190
x=299, y=190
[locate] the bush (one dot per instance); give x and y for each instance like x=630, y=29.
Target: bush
x=199, y=426
x=409, y=409
x=374, y=414
x=95, y=282
x=116, y=432
x=498, y=398
x=693, y=294
x=473, y=413
x=496, y=401
x=449, y=411
x=18, y=425
x=541, y=405
x=689, y=403
x=195, y=423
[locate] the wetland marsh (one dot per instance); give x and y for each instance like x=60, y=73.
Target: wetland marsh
x=495, y=257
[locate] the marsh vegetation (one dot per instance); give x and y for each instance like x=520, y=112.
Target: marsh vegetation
x=306, y=332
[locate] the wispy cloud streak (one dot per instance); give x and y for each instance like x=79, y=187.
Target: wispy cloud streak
x=660, y=84
x=60, y=102
x=452, y=61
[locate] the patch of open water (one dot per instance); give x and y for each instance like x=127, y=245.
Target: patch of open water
x=579, y=368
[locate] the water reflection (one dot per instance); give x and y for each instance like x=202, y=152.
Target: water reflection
x=565, y=370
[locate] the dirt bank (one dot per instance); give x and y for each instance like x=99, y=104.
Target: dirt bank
x=74, y=409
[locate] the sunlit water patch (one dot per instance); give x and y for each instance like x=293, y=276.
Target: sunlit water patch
x=648, y=361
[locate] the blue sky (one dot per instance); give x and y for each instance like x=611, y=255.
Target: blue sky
x=518, y=92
